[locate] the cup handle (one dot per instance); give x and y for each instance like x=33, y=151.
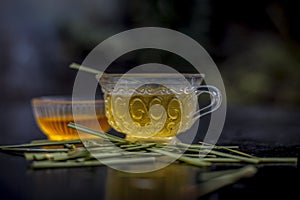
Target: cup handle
x=216, y=100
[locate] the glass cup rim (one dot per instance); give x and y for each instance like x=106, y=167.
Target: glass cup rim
x=136, y=78
x=150, y=75
x=60, y=99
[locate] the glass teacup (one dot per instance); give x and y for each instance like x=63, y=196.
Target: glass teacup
x=155, y=107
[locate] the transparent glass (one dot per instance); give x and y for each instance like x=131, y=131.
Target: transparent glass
x=53, y=113
x=155, y=107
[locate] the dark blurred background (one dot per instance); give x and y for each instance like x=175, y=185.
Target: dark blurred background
x=255, y=44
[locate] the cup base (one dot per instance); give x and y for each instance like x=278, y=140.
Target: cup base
x=61, y=138
x=162, y=140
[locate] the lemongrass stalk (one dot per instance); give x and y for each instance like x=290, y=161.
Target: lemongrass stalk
x=96, y=133
x=85, y=69
x=23, y=150
x=226, y=155
x=123, y=154
x=228, y=149
x=141, y=146
x=50, y=164
x=221, y=160
x=105, y=150
x=238, y=152
x=95, y=71
x=92, y=163
x=129, y=145
x=48, y=156
x=278, y=160
x=188, y=160
x=42, y=144
x=39, y=141
x=69, y=157
x=199, y=155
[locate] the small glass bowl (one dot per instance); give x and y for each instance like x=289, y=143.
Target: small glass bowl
x=53, y=113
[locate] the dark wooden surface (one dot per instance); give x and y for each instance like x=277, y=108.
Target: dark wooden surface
x=260, y=131
x=20, y=182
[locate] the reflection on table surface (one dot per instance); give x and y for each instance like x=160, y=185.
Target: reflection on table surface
x=168, y=183
x=177, y=181
x=172, y=182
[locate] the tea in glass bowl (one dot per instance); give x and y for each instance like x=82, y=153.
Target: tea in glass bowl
x=154, y=107
x=53, y=114
x=146, y=116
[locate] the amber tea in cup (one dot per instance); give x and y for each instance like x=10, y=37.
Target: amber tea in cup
x=53, y=114
x=154, y=107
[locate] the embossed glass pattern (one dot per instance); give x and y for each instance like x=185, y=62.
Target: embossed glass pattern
x=152, y=107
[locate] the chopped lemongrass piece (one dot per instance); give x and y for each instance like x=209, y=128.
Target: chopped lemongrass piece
x=41, y=144
x=226, y=155
x=278, y=160
x=21, y=150
x=51, y=164
x=85, y=69
x=192, y=161
x=96, y=133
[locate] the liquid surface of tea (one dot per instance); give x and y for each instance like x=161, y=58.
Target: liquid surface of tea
x=151, y=116
x=56, y=128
